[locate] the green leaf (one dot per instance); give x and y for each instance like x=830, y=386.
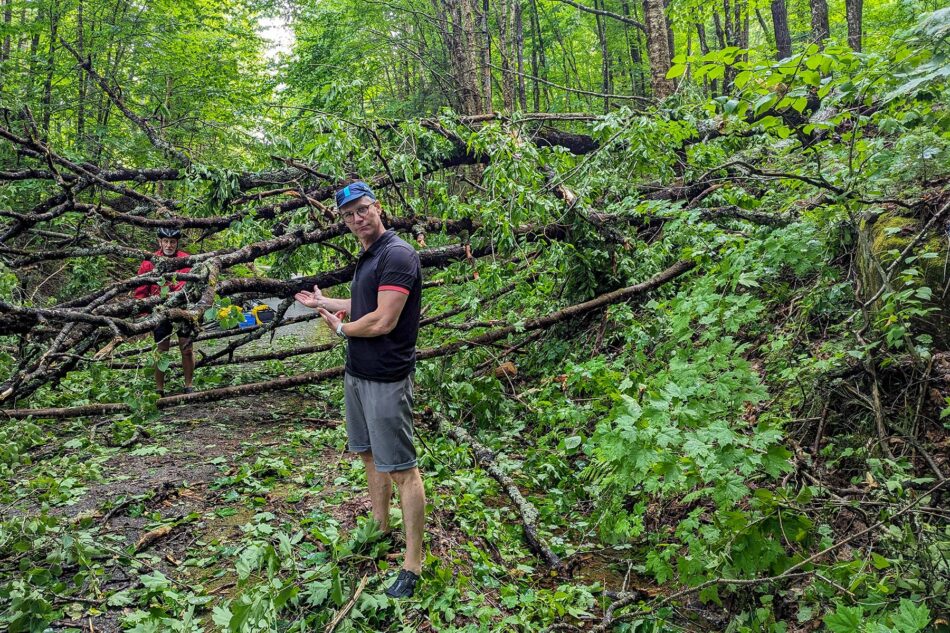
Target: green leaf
x=288, y=592
x=763, y=103
x=157, y=581
x=742, y=78
x=845, y=620
x=121, y=598
x=911, y=617
x=572, y=442
x=221, y=615
x=336, y=587
x=879, y=561
x=675, y=71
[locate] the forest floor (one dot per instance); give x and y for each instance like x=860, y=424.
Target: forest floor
x=184, y=501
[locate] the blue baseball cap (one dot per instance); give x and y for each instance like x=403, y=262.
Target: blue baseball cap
x=353, y=191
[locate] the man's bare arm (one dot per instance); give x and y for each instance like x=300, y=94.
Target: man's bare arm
x=382, y=320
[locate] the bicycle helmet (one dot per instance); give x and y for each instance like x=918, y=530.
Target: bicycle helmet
x=169, y=232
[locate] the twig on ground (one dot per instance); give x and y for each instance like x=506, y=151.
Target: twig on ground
x=347, y=607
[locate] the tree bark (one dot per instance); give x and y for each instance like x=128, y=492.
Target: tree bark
x=80, y=80
x=7, y=20
x=783, y=37
x=50, y=67
x=633, y=47
x=819, y=21
x=486, y=59
x=519, y=53
x=670, y=40
x=855, y=14
x=720, y=33
x=703, y=48
x=536, y=52
x=5, y=46
x=658, y=48
x=604, y=58
x=456, y=23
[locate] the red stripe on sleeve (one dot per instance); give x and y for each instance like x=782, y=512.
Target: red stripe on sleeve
x=404, y=291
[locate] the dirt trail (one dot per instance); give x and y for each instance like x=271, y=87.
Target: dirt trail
x=187, y=476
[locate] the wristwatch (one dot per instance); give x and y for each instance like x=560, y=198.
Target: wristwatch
x=339, y=332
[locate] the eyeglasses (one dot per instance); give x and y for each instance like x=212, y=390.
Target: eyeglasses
x=361, y=211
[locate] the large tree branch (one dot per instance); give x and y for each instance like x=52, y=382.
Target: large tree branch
x=606, y=14
x=212, y=395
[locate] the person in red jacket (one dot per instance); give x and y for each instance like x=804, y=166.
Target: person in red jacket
x=168, y=247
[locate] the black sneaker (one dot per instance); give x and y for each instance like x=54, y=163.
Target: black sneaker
x=404, y=586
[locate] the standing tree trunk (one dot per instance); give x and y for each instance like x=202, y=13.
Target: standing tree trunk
x=720, y=34
x=640, y=38
x=519, y=54
x=704, y=49
x=50, y=68
x=730, y=18
x=7, y=20
x=658, y=47
x=855, y=11
x=604, y=58
x=21, y=40
x=783, y=38
x=670, y=42
x=5, y=47
x=765, y=27
x=634, y=51
x=456, y=24
x=536, y=52
x=80, y=81
x=486, y=58
x=819, y=22
x=31, y=78
x=506, y=45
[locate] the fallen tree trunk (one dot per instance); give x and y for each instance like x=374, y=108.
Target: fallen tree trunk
x=308, y=378
x=529, y=514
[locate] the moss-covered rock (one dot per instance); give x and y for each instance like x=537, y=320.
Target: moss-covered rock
x=881, y=236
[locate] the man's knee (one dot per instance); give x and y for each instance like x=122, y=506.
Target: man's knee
x=185, y=345
x=402, y=477
x=164, y=346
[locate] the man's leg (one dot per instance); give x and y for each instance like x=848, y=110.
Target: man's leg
x=163, y=346
x=187, y=359
x=379, y=484
x=380, y=491
x=412, y=501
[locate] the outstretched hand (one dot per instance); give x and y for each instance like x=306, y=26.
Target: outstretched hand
x=314, y=300
x=332, y=320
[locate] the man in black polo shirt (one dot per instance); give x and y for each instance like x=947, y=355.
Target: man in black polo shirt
x=384, y=307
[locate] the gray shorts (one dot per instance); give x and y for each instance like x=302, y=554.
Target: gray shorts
x=379, y=419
